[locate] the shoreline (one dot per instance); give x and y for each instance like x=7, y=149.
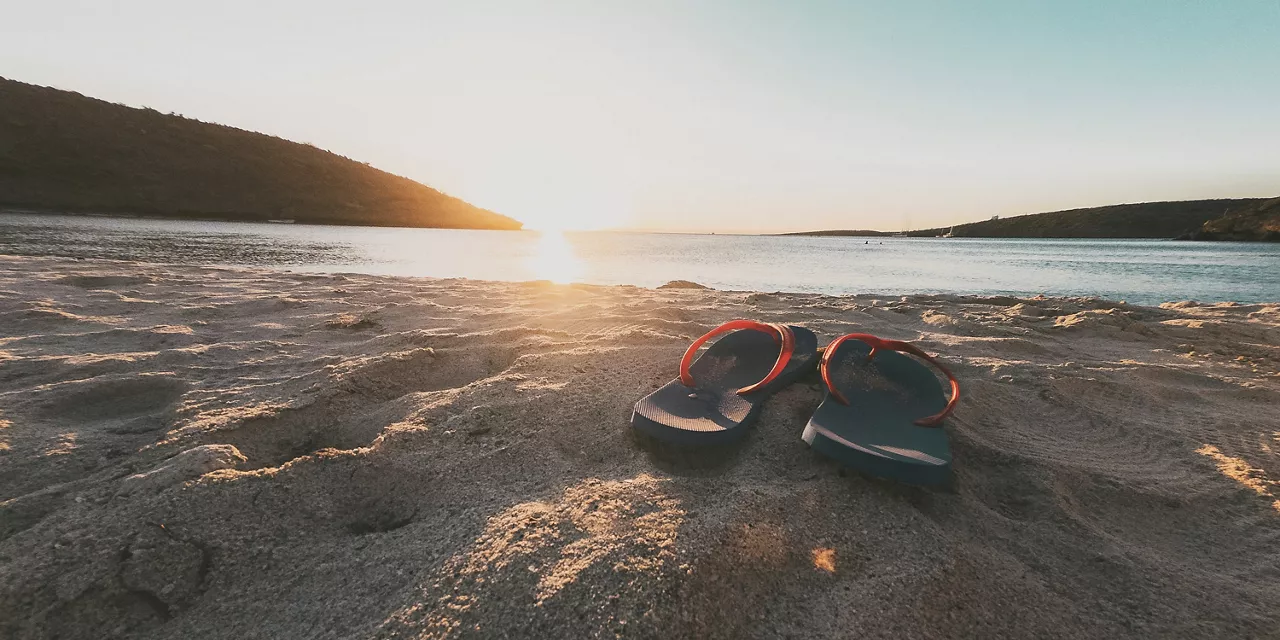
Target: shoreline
x=246, y=218
x=306, y=257
x=828, y=233
x=239, y=451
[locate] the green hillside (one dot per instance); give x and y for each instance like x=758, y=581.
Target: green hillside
x=1259, y=221
x=1140, y=220
x=64, y=152
x=1225, y=219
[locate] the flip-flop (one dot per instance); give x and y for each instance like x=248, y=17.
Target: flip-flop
x=717, y=396
x=882, y=411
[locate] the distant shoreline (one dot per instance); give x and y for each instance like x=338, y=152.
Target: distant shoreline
x=825, y=233
x=1233, y=220
x=844, y=233
x=247, y=218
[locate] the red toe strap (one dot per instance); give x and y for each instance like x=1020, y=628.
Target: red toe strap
x=781, y=333
x=877, y=344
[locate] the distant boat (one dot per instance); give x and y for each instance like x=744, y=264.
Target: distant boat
x=281, y=221
x=949, y=232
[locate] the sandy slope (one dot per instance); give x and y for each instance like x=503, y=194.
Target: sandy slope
x=205, y=453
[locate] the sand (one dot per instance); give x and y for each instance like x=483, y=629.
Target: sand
x=229, y=453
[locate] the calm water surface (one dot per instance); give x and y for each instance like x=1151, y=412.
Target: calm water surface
x=1139, y=271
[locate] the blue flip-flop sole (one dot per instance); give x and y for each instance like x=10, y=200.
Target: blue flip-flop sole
x=713, y=412
x=876, y=432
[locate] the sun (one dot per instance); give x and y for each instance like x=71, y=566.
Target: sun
x=560, y=183
x=589, y=206
x=570, y=216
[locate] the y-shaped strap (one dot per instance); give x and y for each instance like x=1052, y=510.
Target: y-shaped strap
x=877, y=344
x=781, y=333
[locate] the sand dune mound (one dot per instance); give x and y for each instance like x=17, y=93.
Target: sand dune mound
x=212, y=453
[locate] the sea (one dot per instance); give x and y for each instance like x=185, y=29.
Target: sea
x=1136, y=271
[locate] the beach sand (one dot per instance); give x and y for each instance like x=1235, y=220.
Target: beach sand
x=231, y=453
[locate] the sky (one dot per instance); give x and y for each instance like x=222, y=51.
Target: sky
x=713, y=116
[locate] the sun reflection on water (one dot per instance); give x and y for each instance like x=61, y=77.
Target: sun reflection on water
x=554, y=259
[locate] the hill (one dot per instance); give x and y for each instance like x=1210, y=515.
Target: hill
x=1259, y=221
x=64, y=152
x=859, y=233
x=1140, y=220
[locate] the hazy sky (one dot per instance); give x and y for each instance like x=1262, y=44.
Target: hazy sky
x=728, y=116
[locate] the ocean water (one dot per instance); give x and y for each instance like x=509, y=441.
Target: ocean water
x=1137, y=271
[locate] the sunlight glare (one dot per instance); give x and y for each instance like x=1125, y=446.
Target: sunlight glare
x=554, y=259
x=553, y=192
x=824, y=559
x=1250, y=477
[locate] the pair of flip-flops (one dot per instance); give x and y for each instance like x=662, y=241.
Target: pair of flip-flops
x=881, y=413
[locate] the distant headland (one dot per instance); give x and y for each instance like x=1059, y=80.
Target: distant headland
x=1249, y=219
x=63, y=152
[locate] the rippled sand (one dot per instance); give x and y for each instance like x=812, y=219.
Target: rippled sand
x=192, y=452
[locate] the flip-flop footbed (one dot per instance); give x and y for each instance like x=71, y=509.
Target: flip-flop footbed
x=713, y=412
x=875, y=432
